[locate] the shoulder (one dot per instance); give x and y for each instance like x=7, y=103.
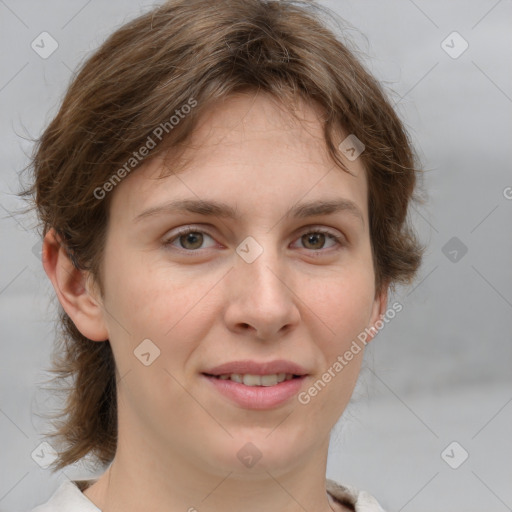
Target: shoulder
x=68, y=498
x=353, y=499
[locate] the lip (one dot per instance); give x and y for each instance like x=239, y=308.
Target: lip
x=258, y=368
x=257, y=397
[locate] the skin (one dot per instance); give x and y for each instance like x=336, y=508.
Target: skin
x=301, y=300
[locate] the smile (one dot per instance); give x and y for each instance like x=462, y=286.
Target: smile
x=256, y=395
x=249, y=379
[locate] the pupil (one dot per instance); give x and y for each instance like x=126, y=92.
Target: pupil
x=190, y=237
x=316, y=236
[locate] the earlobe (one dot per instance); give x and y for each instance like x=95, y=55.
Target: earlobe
x=378, y=311
x=71, y=287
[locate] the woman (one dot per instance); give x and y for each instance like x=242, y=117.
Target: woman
x=223, y=196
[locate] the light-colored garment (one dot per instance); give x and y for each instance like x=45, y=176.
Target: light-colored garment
x=352, y=498
x=69, y=498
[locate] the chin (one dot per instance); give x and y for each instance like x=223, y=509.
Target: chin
x=255, y=452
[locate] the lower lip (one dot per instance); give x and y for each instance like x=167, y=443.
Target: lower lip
x=257, y=397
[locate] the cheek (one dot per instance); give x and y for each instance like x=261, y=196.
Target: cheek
x=170, y=311
x=145, y=301
x=345, y=306
x=344, y=303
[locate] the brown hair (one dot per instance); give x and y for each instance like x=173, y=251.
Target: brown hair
x=195, y=52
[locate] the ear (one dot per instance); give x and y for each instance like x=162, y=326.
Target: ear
x=379, y=308
x=72, y=287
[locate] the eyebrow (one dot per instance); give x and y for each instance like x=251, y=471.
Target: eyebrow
x=220, y=209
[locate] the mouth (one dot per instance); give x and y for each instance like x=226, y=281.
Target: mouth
x=253, y=385
x=249, y=379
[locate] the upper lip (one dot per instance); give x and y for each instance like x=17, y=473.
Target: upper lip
x=257, y=368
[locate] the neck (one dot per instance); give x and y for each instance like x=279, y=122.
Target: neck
x=152, y=472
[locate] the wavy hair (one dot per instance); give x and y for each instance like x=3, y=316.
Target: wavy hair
x=137, y=80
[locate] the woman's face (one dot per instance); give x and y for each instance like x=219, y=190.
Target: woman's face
x=269, y=288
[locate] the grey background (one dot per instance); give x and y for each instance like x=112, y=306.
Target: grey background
x=440, y=371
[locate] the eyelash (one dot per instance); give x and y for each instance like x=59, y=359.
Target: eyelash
x=340, y=240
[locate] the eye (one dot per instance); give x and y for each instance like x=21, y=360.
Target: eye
x=315, y=239
x=191, y=239
x=188, y=239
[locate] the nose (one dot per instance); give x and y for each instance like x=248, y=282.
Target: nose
x=261, y=300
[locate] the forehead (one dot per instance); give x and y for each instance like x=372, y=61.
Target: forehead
x=247, y=121
x=248, y=150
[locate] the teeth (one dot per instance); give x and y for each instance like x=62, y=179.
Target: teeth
x=269, y=380
x=257, y=380
x=252, y=380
